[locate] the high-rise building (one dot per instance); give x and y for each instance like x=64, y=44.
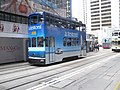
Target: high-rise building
x=105, y=15
x=100, y=14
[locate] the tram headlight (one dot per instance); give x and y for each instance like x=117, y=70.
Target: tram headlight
x=42, y=60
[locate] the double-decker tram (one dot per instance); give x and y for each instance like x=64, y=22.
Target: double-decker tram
x=53, y=38
x=116, y=40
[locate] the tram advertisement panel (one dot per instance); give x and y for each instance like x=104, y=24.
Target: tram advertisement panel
x=11, y=49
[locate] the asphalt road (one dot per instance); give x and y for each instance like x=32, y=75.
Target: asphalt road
x=98, y=71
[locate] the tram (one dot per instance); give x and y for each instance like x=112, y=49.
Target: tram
x=53, y=38
x=116, y=40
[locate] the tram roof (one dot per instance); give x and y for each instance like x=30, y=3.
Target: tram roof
x=59, y=17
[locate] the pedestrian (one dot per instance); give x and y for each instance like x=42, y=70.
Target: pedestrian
x=98, y=47
x=90, y=47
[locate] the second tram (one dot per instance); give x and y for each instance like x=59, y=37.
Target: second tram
x=53, y=38
x=116, y=40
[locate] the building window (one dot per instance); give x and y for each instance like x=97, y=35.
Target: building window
x=106, y=21
x=106, y=10
x=106, y=6
x=105, y=3
x=106, y=14
x=107, y=17
x=94, y=5
x=95, y=25
x=93, y=29
x=106, y=24
x=95, y=18
x=95, y=12
x=95, y=22
x=94, y=2
x=95, y=15
x=95, y=8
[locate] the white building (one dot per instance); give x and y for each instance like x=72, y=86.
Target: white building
x=100, y=16
x=105, y=16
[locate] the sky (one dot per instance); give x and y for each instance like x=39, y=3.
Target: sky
x=77, y=10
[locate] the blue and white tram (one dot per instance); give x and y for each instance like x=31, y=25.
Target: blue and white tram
x=53, y=38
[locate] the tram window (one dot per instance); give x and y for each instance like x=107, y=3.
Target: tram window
x=69, y=42
x=51, y=21
x=115, y=42
x=57, y=22
x=40, y=41
x=34, y=19
x=29, y=42
x=52, y=42
x=72, y=42
x=41, y=19
x=33, y=42
x=77, y=43
x=68, y=25
x=73, y=26
x=46, y=42
x=115, y=34
x=47, y=21
x=63, y=24
x=64, y=41
x=77, y=26
x=118, y=42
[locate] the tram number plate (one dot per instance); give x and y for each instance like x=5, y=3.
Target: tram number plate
x=33, y=32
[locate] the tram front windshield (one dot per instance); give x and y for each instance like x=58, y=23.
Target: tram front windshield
x=35, y=19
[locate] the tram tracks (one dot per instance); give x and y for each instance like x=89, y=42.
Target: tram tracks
x=14, y=68
x=19, y=69
x=43, y=74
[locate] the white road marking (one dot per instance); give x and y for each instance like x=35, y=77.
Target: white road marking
x=56, y=80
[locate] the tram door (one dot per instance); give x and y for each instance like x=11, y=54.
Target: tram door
x=81, y=45
x=51, y=49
